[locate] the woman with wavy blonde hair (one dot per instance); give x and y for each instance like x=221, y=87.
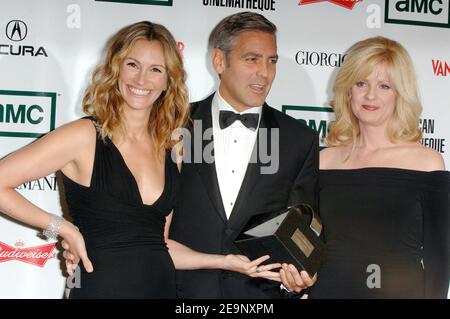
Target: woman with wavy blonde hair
x=383, y=196
x=120, y=182
x=104, y=101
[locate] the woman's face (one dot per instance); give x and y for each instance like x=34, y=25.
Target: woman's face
x=373, y=99
x=143, y=75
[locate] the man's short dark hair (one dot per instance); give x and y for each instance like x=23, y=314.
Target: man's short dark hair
x=225, y=32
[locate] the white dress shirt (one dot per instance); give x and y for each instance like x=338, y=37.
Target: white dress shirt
x=233, y=148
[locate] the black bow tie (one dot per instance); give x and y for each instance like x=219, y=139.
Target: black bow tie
x=250, y=120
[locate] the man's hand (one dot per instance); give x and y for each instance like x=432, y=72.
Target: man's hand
x=295, y=281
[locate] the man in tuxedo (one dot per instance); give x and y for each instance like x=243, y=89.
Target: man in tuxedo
x=219, y=196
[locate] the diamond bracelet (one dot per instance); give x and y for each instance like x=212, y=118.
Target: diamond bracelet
x=52, y=229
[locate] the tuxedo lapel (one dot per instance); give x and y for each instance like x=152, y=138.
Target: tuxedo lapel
x=207, y=171
x=253, y=172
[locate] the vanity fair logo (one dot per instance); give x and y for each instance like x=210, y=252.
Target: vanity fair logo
x=441, y=67
x=36, y=255
x=349, y=4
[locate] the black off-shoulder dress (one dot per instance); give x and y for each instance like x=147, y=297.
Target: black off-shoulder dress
x=387, y=234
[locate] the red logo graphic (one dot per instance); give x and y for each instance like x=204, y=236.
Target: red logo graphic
x=37, y=255
x=441, y=68
x=349, y=4
x=181, y=46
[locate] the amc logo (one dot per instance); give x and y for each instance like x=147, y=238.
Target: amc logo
x=433, y=13
x=315, y=117
x=26, y=114
x=150, y=2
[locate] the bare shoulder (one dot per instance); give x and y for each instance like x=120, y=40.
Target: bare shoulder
x=428, y=159
x=77, y=132
x=80, y=139
x=331, y=157
x=69, y=148
x=80, y=127
x=418, y=157
x=75, y=141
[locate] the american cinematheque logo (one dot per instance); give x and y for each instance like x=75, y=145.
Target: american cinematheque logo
x=317, y=118
x=150, y=2
x=26, y=113
x=348, y=4
x=37, y=255
x=431, y=13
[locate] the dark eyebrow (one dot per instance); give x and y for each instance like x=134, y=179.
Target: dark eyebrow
x=251, y=54
x=259, y=55
x=130, y=58
x=137, y=61
x=158, y=65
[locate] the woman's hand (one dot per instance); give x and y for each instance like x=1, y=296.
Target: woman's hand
x=243, y=265
x=74, y=248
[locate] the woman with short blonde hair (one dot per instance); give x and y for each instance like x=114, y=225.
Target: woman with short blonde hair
x=359, y=63
x=383, y=197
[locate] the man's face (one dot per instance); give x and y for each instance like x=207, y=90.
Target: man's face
x=248, y=72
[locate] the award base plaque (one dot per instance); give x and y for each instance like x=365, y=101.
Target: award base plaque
x=286, y=236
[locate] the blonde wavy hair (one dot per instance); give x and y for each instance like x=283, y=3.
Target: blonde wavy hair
x=361, y=60
x=103, y=100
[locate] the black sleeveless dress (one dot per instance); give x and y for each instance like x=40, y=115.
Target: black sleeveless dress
x=124, y=237
x=387, y=234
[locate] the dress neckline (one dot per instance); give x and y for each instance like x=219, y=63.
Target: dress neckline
x=381, y=168
x=133, y=178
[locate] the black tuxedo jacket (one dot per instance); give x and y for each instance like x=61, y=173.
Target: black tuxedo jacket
x=199, y=220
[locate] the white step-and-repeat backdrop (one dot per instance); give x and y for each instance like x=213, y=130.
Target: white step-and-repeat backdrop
x=48, y=48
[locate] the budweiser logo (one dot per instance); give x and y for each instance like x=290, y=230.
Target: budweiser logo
x=37, y=255
x=349, y=4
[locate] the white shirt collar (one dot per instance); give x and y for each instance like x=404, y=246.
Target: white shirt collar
x=219, y=104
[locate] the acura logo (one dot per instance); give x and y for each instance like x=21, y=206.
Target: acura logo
x=16, y=30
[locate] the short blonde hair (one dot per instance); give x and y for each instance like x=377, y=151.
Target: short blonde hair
x=103, y=100
x=361, y=60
